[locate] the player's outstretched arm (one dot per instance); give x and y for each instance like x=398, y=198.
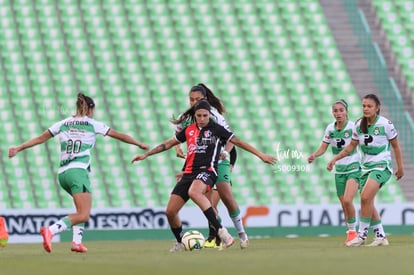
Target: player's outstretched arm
x=127, y=139
x=246, y=146
x=166, y=145
x=321, y=150
x=30, y=143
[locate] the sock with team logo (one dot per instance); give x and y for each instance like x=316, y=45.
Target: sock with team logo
x=60, y=226
x=237, y=220
x=78, y=232
x=378, y=229
x=364, y=226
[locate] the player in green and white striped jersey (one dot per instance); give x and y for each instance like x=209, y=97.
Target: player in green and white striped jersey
x=338, y=134
x=77, y=135
x=374, y=134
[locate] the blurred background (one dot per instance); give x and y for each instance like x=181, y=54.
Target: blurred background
x=277, y=65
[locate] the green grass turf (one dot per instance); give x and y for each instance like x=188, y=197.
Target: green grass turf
x=304, y=255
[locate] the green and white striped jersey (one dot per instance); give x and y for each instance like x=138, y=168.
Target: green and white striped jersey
x=77, y=136
x=339, y=139
x=375, y=145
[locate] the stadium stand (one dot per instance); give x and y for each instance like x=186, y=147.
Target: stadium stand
x=274, y=64
x=397, y=19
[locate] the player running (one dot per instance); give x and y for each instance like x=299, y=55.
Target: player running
x=77, y=135
x=338, y=134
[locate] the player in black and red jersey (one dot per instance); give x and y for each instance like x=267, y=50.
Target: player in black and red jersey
x=204, y=139
x=222, y=190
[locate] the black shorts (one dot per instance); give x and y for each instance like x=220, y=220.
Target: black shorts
x=182, y=187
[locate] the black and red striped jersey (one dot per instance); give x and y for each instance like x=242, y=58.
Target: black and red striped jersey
x=203, y=145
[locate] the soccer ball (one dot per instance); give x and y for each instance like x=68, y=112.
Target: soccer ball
x=193, y=240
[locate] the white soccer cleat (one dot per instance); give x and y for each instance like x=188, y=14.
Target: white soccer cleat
x=226, y=239
x=357, y=241
x=244, y=241
x=379, y=242
x=178, y=247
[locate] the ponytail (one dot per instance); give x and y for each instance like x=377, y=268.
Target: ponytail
x=83, y=104
x=212, y=99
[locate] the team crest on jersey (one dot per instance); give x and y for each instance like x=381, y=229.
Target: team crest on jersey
x=376, y=131
x=346, y=135
x=207, y=134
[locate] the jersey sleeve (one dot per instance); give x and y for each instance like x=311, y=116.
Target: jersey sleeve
x=390, y=130
x=178, y=128
x=101, y=128
x=180, y=136
x=223, y=133
x=326, y=137
x=355, y=135
x=55, y=128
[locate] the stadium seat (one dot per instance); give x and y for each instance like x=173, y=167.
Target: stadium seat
x=274, y=64
x=397, y=19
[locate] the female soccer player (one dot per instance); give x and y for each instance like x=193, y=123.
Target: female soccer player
x=204, y=139
x=338, y=134
x=77, y=135
x=222, y=188
x=374, y=134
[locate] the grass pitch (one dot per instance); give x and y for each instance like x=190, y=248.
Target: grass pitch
x=304, y=255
